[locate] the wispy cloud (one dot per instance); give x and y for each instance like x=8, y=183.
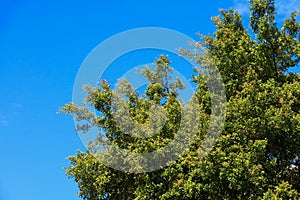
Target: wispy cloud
x=3, y=122
x=15, y=105
x=9, y=112
x=242, y=6
x=284, y=7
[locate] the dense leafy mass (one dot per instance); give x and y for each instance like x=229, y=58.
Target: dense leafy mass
x=257, y=153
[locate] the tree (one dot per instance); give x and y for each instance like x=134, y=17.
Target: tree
x=257, y=153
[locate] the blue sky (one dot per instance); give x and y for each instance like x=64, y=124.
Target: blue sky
x=42, y=45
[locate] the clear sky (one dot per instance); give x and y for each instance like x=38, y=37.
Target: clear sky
x=42, y=45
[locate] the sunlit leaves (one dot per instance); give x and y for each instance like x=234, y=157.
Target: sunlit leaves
x=257, y=154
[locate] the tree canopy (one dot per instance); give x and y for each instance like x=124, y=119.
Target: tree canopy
x=257, y=153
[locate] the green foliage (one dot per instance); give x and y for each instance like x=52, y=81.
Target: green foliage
x=283, y=191
x=257, y=154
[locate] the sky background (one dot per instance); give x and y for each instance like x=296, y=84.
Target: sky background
x=42, y=45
